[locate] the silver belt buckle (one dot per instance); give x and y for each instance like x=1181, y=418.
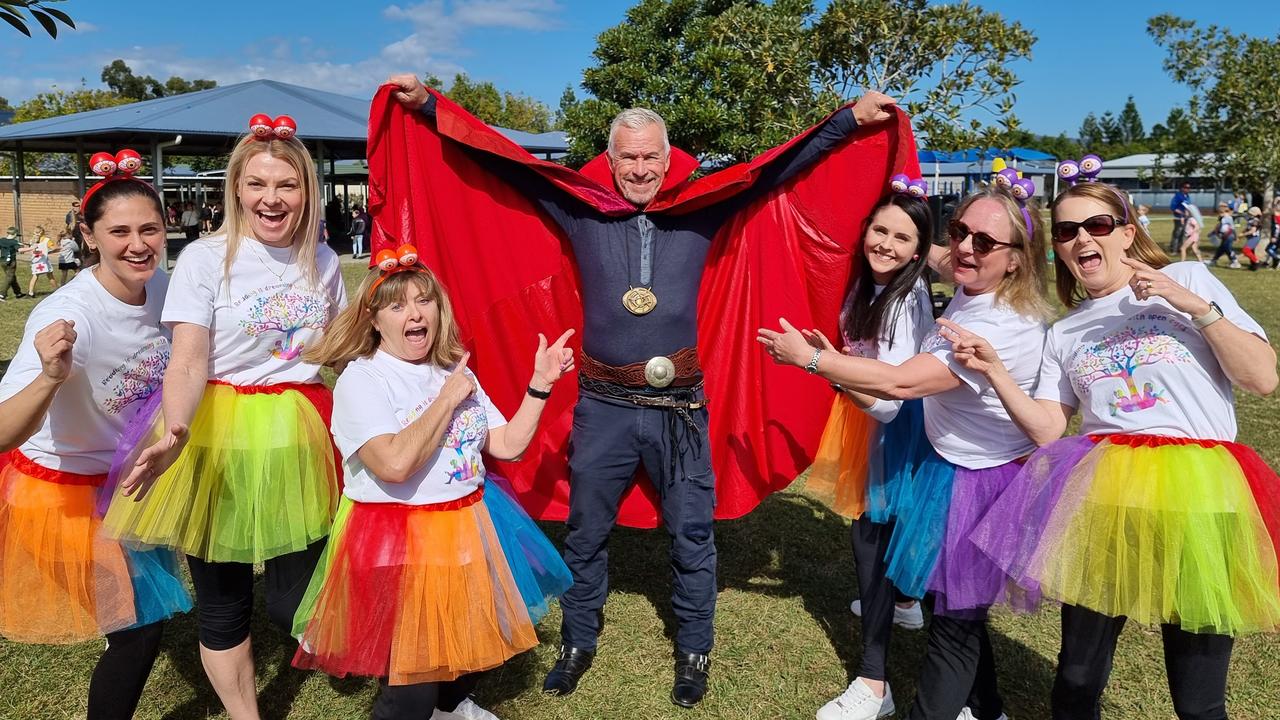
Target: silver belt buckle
x=659, y=372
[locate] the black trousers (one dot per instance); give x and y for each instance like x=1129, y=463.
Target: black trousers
x=419, y=701
x=1196, y=665
x=117, y=682
x=609, y=441
x=876, y=593
x=959, y=671
x=11, y=280
x=1179, y=234
x=224, y=594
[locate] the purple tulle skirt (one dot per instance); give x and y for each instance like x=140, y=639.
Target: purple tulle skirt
x=1011, y=532
x=965, y=581
x=131, y=443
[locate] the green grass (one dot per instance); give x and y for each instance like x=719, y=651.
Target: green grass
x=785, y=640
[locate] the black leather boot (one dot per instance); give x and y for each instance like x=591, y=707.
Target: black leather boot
x=572, y=664
x=691, y=679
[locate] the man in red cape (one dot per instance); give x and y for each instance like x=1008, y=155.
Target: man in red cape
x=669, y=278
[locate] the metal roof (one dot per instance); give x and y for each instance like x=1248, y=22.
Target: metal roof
x=209, y=121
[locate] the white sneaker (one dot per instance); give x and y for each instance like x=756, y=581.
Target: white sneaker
x=907, y=618
x=1234, y=266
x=858, y=703
x=466, y=710
x=967, y=714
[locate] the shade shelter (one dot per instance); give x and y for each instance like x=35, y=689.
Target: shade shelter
x=208, y=122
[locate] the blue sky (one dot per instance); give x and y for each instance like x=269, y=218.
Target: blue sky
x=1089, y=57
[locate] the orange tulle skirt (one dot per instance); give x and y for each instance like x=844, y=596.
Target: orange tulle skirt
x=60, y=580
x=840, y=468
x=412, y=593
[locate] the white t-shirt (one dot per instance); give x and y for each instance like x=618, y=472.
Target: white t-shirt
x=67, y=249
x=969, y=425
x=909, y=321
x=1139, y=366
x=118, y=360
x=260, y=322
x=381, y=395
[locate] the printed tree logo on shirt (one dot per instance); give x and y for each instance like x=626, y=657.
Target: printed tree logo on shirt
x=138, y=382
x=469, y=427
x=1119, y=355
x=286, y=312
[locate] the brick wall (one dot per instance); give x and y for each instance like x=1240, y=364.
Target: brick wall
x=44, y=202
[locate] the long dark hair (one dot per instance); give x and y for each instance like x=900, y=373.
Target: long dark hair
x=865, y=312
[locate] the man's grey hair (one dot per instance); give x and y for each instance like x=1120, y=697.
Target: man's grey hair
x=638, y=119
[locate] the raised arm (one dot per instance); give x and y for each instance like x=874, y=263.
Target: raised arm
x=509, y=441
x=22, y=414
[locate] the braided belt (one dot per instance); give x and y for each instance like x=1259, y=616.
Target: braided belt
x=683, y=364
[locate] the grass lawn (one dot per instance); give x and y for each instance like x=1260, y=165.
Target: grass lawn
x=785, y=640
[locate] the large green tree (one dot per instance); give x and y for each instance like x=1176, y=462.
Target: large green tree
x=120, y=78
x=496, y=107
x=734, y=77
x=1235, y=82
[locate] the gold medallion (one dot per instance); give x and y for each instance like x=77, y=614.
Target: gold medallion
x=639, y=300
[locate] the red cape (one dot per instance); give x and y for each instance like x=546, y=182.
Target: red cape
x=510, y=274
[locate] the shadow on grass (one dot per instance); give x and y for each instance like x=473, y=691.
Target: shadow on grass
x=794, y=547
x=272, y=652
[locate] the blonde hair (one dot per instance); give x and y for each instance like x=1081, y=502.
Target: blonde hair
x=1024, y=289
x=352, y=335
x=1143, y=248
x=305, y=235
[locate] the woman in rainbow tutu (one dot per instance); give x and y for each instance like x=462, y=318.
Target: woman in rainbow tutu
x=90, y=356
x=998, y=262
x=238, y=468
x=1153, y=512
x=432, y=574
x=870, y=445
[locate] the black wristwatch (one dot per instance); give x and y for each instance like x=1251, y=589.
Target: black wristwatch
x=540, y=394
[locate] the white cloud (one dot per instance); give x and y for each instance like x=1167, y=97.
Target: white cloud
x=431, y=41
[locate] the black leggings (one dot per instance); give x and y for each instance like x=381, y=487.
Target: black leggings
x=877, y=594
x=959, y=671
x=1196, y=665
x=417, y=702
x=224, y=594
x=122, y=671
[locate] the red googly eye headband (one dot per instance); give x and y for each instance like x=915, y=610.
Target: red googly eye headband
x=402, y=259
x=263, y=127
x=120, y=166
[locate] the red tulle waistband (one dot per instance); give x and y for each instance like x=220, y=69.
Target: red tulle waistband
x=27, y=466
x=1139, y=440
x=405, y=509
x=317, y=394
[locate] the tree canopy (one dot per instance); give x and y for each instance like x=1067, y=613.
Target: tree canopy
x=494, y=106
x=735, y=77
x=1235, y=82
x=120, y=78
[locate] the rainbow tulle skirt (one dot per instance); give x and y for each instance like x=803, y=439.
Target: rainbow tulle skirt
x=1158, y=529
x=930, y=550
x=864, y=467
x=257, y=479
x=426, y=593
x=61, y=581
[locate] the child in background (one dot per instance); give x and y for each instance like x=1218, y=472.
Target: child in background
x=68, y=256
x=40, y=264
x=1226, y=232
x=1191, y=233
x=1253, y=236
x=1143, y=218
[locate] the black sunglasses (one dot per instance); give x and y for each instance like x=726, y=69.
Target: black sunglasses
x=1065, y=231
x=982, y=242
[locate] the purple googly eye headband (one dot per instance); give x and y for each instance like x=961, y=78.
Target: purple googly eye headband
x=1022, y=189
x=1086, y=170
x=904, y=185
